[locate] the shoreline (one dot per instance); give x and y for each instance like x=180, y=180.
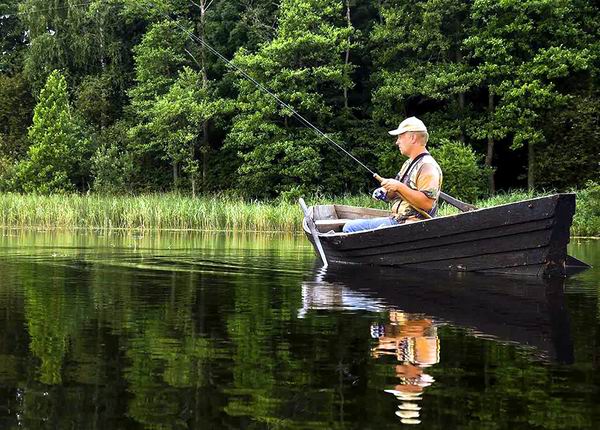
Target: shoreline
x=219, y=213
x=42, y=229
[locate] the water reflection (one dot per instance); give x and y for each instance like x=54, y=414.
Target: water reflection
x=412, y=340
x=97, y=333
x=412, y=305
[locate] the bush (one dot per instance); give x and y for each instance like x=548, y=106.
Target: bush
x=112, y=166
x=587, y=216
x=464, y=176
x=7, y=174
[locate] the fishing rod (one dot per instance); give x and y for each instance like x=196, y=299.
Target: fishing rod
x=457, y=203
x=303, y=120
x=241, y=71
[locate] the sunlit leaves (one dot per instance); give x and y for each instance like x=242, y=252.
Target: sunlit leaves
x=304, y=66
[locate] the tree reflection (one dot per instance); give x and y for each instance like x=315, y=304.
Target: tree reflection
x=101, y=337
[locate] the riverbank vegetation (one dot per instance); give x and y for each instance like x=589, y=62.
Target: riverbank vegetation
x=115, y=97
x=218, y=212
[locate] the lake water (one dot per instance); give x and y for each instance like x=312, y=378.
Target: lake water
x=211, y=331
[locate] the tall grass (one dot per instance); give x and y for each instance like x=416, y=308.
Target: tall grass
x=164, y=211
x=218, y=212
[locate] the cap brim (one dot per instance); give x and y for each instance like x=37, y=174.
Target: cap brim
x=395, y=132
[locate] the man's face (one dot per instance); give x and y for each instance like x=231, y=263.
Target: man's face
x=403, y=142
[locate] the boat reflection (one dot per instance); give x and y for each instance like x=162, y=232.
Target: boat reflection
x=527, y=312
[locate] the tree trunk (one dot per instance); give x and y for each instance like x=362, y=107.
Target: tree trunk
x=205, y=148
x=347, y=60
x=489, y=156
x=193, y=178
x=175, y=176
x=102, y=66
x=531, y=166
x=461, y=109
x=461, y=100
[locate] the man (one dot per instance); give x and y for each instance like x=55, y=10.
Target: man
x=418, y=182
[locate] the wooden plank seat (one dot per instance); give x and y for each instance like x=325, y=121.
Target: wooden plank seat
x=326, y=225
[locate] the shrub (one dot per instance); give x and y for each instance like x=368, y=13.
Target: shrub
x=464, y=176
x=112, y=167
x=587, y=216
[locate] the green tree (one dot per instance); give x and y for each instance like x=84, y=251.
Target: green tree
x=158, y=59
x=177, y=121
x=570, y=157
x=16, y=105
x=79, y=39
x=56, y=158
x=12, y=43
x=525, y=51
x=420, y=59
x=305, y=66
x=112, y=165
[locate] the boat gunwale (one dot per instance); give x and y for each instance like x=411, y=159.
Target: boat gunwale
x=357, y=234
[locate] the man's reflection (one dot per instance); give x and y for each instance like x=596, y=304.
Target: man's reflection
x=413, y=340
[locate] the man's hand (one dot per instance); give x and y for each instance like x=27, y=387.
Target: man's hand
x=413, y=197
x=391, y=185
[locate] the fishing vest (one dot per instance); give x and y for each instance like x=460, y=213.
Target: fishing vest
x=408, y=175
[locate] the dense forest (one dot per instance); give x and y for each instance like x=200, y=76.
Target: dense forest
x=127, y=96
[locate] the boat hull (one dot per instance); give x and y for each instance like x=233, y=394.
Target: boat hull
x=525, y=238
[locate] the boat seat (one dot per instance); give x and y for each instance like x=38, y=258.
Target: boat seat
x=326, y=225
x=325, y=212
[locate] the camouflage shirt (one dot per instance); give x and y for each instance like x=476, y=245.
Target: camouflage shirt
x=429, y=183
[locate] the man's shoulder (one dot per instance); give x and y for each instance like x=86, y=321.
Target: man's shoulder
x=429, y=160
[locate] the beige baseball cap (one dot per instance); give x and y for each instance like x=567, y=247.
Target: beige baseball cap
x=409, y=124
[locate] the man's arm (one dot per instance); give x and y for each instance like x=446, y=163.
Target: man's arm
x=428, y=179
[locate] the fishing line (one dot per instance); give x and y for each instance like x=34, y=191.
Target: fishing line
x=233, y=66
x=260, y=86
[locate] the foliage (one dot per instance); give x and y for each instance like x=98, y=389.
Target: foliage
x=112, y=166
x=12, y=43
x=514, y=80
x=59, y=150
x=95, y=100
x=158, y=59
x=587, y=216
x=464, y=177
x=79, y=39
x=176, y=120
x=570, y=157
x=303, y=65
x=16, y=106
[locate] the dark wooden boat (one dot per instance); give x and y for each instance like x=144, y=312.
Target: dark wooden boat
x=524, y=238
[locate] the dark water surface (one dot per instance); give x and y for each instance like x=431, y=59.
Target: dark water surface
x=214, y=331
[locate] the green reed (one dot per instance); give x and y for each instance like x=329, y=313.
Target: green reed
x=164, y=211
x=217, y=212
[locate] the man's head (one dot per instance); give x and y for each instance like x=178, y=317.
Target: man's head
x=412, y=136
